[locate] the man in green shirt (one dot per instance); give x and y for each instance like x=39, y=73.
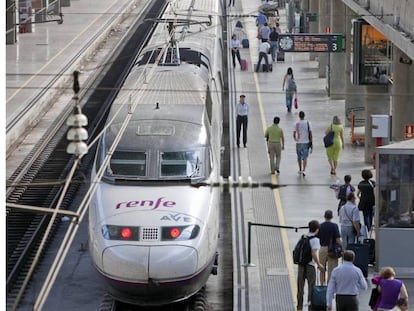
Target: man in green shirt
x=275, y=144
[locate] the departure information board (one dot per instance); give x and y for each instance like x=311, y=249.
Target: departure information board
x=305, y=42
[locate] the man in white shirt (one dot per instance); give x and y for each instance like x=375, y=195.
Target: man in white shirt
x=264, y=49
x=308, y=272
x=302, y=134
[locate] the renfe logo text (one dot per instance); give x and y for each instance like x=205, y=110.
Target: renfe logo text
x=146, y=203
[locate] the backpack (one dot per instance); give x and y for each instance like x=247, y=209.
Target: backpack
x=342, y=195
x=274, y=36
x=291, y=84
x=302, y=253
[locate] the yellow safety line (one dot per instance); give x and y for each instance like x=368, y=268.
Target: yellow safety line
x=279, y=209
x=53, y=58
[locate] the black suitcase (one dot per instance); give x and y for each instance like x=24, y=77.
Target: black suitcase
x=361, y=256
x=264, y=67
x=280, y=56
x=371, y=252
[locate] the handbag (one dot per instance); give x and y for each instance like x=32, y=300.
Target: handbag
x=328, y=139
x=295, y=103
x=373, y=299
x=310, y=144
x=354, y=230
x=334, y=250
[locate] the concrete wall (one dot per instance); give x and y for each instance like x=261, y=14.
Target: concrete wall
x=395, y=12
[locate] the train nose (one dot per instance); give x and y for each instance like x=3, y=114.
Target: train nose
x=141, y=263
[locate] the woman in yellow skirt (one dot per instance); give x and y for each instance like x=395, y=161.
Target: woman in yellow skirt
x=333, y=151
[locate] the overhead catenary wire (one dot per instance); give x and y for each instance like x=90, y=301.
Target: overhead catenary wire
x=83, y=206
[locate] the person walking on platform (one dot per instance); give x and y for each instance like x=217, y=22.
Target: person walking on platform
x=264, y=49
x=332, y=152
x=329, y=237
x=291, y=88
x=261, y=19
x=308, y=271
x=350, y=221
x=302, y=134
x=275, y=144
x=346, y=282
x=366, y=196
x=273, y=40
x=344, y=190
x=242, y=118
x=235, y=50
x=265, y=32
x=390, y=289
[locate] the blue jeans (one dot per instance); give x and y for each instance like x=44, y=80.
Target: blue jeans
x=273, y=49
x=348, y=236
x=368, y=216
x=289, y=100
x=261, y=56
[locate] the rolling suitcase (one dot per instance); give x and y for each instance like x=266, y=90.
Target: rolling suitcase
x=280, y=56
x=265, y=69
x=371, y=250
x=244, y=65
x=318, y=297
x=361, y=256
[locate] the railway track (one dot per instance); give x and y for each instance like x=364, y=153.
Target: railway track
x=39, y=180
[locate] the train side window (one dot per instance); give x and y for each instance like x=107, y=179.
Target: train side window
x=128, y=163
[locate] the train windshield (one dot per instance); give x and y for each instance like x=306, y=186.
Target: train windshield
x=181, y=163
x=128, y=163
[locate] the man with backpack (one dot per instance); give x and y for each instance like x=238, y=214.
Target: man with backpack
x=305, y=255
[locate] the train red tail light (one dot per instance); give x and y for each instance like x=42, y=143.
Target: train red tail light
x=126, y=233
x=180, y=233
x=111, y=232
x=175, y=233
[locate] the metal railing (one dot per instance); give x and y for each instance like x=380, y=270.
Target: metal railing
x=249, y=237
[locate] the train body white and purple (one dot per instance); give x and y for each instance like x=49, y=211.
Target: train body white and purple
x=153, y=236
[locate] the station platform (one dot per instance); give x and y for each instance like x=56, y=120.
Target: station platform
x=270, y=277
x=271, y=273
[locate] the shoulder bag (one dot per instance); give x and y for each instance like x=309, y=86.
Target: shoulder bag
x=310, y=145
x=353, y=227
x=334, y=249
x=328, y=139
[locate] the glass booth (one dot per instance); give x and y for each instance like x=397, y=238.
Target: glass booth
x=394, y=213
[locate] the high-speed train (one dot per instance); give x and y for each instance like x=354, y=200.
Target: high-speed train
x=153, y=236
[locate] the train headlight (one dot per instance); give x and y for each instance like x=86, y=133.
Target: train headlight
x=179, y=233
x=125, y=233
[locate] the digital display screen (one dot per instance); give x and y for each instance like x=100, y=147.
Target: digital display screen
x=311, y=42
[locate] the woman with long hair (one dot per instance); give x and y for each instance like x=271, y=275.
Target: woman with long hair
x=291, y=90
